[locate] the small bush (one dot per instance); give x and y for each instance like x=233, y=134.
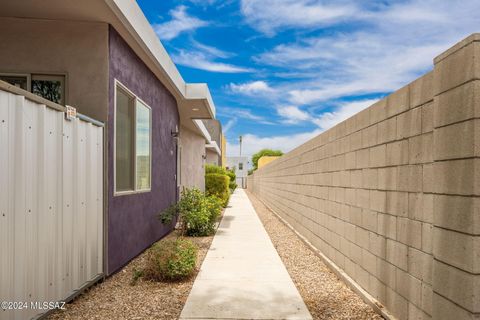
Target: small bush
x=211, y=168
x=171, y=260
x=218, y=185
x=197, y=213
x=233, y=177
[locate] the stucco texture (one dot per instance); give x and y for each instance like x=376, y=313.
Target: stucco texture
x=132, y=219
x=192, y=159
x=77, y=50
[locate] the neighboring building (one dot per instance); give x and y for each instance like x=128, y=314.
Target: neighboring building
x=240, y=166
x=263, y=161
x=104, y=58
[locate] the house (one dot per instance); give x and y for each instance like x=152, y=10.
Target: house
x=240, y=166
x=103, y=58
x=214, y=148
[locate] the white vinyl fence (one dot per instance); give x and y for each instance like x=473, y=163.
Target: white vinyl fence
x=51, y=205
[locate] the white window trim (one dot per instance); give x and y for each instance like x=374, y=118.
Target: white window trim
x=136, y=98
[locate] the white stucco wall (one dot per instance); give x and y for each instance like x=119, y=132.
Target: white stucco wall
x=192, y=159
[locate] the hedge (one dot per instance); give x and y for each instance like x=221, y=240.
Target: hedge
x=218, y=185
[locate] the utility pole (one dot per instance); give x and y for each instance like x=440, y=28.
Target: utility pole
x=240, y=146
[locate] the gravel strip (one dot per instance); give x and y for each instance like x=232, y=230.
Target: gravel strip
x=325, y=295
x=116, y=298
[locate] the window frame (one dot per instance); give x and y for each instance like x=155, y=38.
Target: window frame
x=28, y=76
x=118, y=84
x=50, y=77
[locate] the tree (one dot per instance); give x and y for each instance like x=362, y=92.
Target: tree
x=264, y=152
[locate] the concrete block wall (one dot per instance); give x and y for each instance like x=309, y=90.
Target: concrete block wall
x=391, y=195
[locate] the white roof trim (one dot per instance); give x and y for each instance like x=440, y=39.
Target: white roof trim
x=132, y=17
x=199, y=124
x=214, y=145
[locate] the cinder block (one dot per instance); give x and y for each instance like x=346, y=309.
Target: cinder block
x=420, y=149
x=361, y=237
x=427, y=298
x=409, y=232
x=420, y=265
x=409, y=287
x=387, y=225
x=355, y=141
x=458, y=68
x=370, y=178
x=398, y=102
x=363, y=158
x=459, y=104
x=378, y=289
x=397, y=153
x=378, y=200
x=369, y=136
x=421, y=90
x=444, y=309
x=397, y=203
x=369, y=220
x=397, y=305
x=427, y=237
x=427, y=205
x=350, y=160
x=355, y=253
x=377, y=245
x=369, y=262
x=457, y=249
x=362, y=119
x=386, y=273
x=415, y=206
x=378, y=111
x=397, y=254
x=378, y=156
x=458, y=213
x=428, y=178
x=409, y=123
x=415, y=313
x=458, y=286
x=350, y=267
x=460, y=140
x=410, y=178
x=363, y=198
x=350, y=196
x=356, y=178
x=427, y=117
x=387, y=130
x=362, y=277
x=457, y=177
x=387, y=178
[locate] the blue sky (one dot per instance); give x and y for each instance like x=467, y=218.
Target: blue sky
x=282, y=71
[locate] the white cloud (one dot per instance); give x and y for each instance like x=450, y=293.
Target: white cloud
x=244, y=114
x=293, y=114
x=181, y=22
x=270, y=15
x=329, y=119
x=229, y=125
x=203, y=61
x=253, y=87
x=252, y=143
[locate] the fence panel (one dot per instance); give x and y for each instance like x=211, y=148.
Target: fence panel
x=51, y=205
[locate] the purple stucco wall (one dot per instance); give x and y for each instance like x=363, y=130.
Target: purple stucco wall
x=132, y=219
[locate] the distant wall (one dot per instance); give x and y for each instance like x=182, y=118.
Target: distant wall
x=391, y=195
x=263, y=161
x=212, y=157
x=192, y=162
x=78, y=50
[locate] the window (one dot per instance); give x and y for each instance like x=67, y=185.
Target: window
x=240, y=166
x=132, y=142
x=50, y=87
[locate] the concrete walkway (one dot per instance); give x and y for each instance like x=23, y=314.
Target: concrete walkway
x=242, y=276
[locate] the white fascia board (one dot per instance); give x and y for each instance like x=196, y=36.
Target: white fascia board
x=132, y=17
x=213, y=145
x=199, y=124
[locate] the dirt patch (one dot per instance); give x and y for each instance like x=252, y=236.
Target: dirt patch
x=325, y=295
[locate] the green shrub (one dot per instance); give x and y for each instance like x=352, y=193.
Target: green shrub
x=218, y=185
x=197, y=213
x=233, y=177
x=171, y=259
x=211, y=168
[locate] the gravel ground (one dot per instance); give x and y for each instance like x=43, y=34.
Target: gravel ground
x=116, y=298
x=325, y=295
